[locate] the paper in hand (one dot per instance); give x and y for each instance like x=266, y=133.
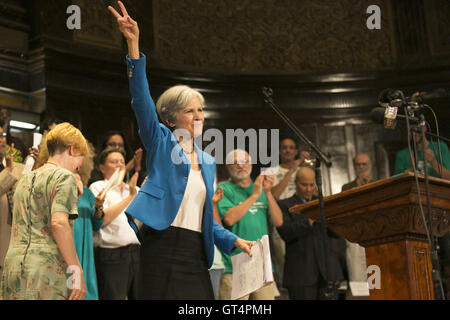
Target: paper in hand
x=115, y=180
x=252, y=273
x=29, y=161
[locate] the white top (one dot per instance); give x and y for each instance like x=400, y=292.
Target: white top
x=118, y=233
x=290, y=189
x=190, y=213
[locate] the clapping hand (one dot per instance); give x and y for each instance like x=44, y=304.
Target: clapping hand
x=137, y=160
x=429, y=155
x=268, y=182
x=258, y=185
x=132, y=184
x=218, y=195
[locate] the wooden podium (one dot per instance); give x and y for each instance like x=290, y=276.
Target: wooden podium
x=384, y=217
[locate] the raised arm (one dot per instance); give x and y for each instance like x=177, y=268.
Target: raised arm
x=142, y=103
x=275, y=212
x=129, y=29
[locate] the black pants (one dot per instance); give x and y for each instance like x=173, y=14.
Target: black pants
x=119, y=273
x=322, y=290
x=174, y=265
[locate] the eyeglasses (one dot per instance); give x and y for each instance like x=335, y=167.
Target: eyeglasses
x=3, y=134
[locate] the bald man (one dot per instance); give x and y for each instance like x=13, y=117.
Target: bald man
x=306, y=260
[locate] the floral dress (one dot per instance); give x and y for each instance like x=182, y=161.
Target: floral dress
x=34, y=268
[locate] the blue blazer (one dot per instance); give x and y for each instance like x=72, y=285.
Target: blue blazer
x=159, y=199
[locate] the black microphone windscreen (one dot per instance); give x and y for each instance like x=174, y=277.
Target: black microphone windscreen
x=377, y=114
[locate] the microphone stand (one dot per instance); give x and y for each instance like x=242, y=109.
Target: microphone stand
x=330, y=292
x=431, y=134
x=436, y=274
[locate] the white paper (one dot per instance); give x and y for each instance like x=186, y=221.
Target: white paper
x=269, y=171
x=115, y=180
x=37, y=138
x=29, y=161
x=252, y=273
x=359, y=288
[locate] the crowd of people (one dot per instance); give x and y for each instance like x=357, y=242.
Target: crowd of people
x=165, y=230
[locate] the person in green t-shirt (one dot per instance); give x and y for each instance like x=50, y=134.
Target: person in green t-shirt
x=434, y=166
x=245, y=210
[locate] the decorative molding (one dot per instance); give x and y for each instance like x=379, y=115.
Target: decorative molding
x=370, y=228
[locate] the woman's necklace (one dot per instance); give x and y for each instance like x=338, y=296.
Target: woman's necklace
x=55, y=164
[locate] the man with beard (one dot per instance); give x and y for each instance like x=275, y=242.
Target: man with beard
x=363, y=170
x=245, y=210
x=355, y=255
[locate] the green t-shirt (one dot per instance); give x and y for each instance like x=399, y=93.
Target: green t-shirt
x=403, y=160
x=253, y=225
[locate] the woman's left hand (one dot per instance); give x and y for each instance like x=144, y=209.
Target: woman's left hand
x=79, y=184
x=132, y=184
x=245, y=246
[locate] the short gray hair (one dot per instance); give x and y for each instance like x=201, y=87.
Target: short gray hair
x=175, y=99
x=240, y=153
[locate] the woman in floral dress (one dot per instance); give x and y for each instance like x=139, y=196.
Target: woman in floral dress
x=41, y=262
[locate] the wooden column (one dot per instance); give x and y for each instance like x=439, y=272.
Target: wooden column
x=405, y=270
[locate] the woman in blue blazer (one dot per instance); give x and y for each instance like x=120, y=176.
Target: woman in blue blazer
x=175, y=203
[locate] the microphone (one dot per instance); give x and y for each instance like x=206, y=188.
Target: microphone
x=389, y=119
x=421, y=96
x=391, y=100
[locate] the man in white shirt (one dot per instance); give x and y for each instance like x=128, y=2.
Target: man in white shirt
x=117, y=243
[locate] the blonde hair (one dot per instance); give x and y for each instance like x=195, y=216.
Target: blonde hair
x=175, y=99
x=86, y=166
x=64, y=135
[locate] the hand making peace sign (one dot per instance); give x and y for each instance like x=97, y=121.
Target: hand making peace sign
x=129, y=29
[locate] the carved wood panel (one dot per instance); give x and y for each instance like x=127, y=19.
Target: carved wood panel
x=98, y=28
x=271, y=36
x=405, y=271
x=438, y=22
x=419, y=254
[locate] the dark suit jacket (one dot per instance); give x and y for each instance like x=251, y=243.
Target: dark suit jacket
x=305, y=260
